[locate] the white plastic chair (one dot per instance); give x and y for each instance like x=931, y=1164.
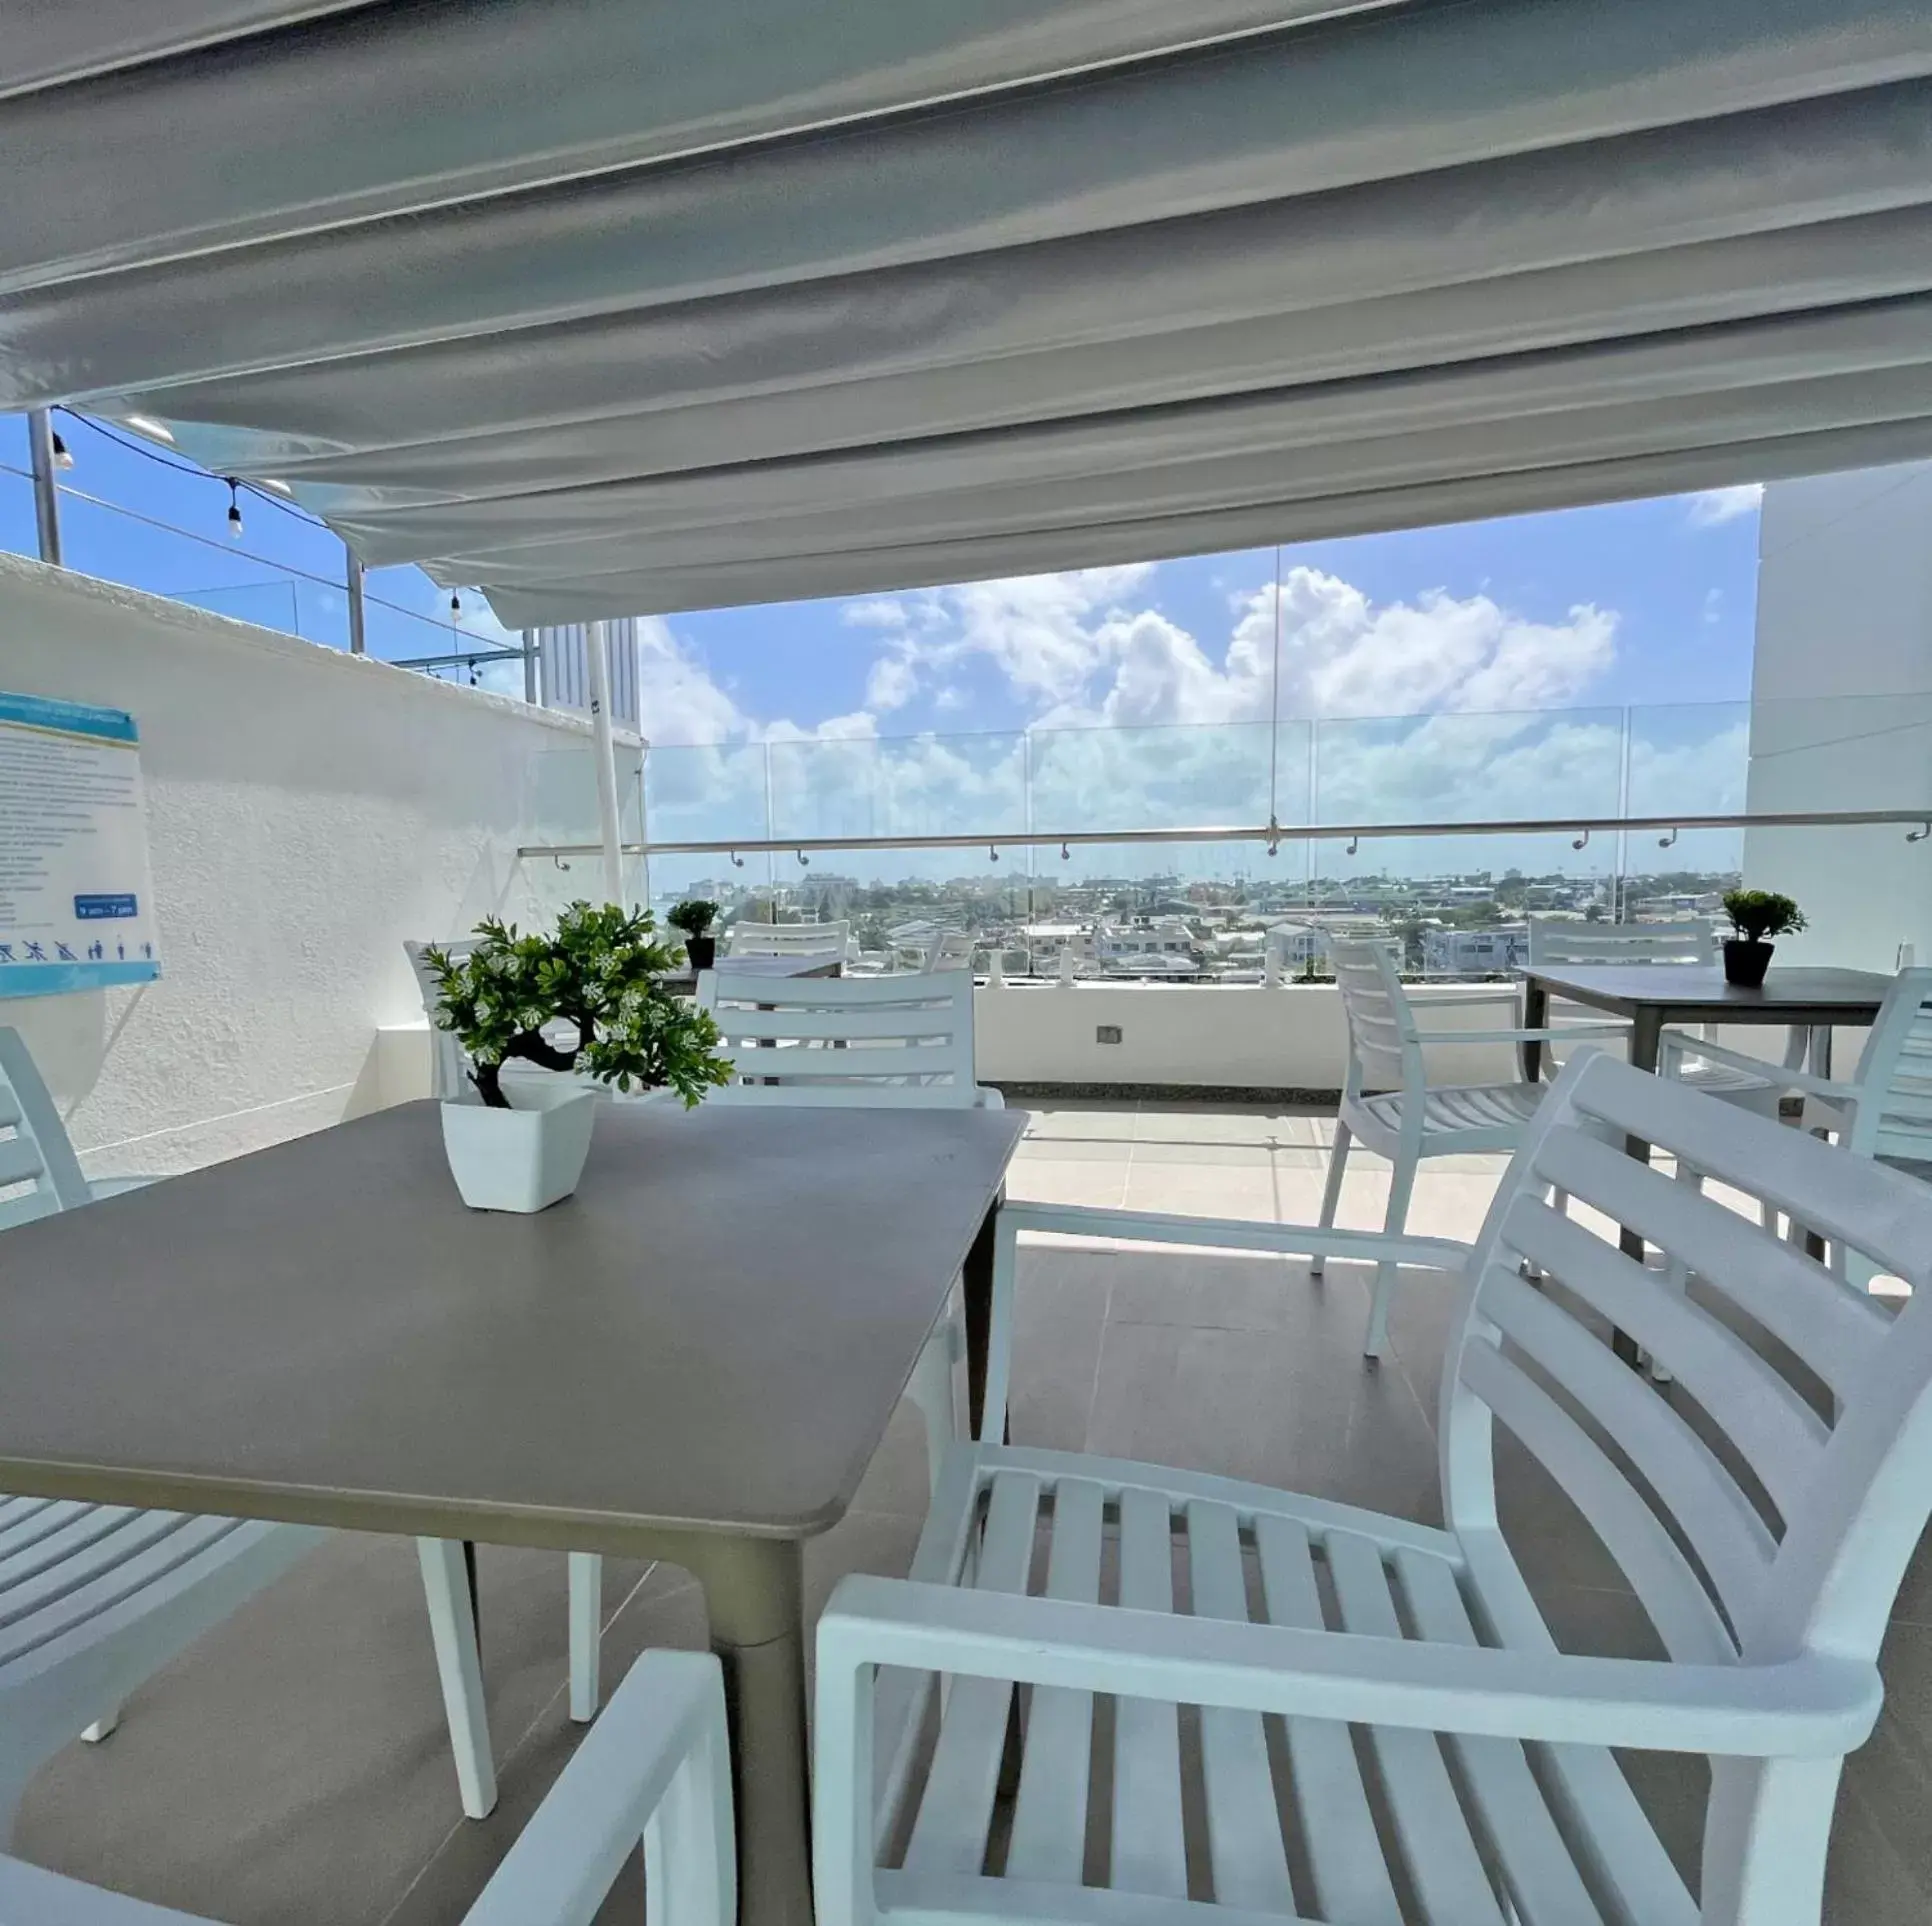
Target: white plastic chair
x=899, y=1039
x=1389, y=1104
x=1448, y=1761
x=1883, y=1111
x=826, y=940
x=449, y=1068
x=38, y=1166
x=1690, y=941
x=94, y=1599
x=902, y=1041
x=919, y=1029
x=655, y=1771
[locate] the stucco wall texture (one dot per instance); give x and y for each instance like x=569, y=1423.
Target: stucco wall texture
x=307, y=811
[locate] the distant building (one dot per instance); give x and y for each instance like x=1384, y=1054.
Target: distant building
x=1475, y=952
x=1046, y=942
x=1168, y=936
x=1295, y=945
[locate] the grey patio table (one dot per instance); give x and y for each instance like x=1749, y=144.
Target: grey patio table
x=1656, y=995
x=692, y=1359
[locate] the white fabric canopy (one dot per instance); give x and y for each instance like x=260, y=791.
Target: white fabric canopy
x=614, y=307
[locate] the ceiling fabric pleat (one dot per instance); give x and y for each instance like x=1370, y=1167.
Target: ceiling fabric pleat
x=617, y=308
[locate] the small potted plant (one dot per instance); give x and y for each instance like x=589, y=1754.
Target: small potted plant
x=599, y=975
x=695, y=917
x=1756, y=915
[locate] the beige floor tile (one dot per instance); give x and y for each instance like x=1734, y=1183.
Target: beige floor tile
x=1041, y=1180
x=1078, y=1122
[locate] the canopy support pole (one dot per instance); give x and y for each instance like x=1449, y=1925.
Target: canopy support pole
x=597, y=651
x=352, y=585
x=40, y=447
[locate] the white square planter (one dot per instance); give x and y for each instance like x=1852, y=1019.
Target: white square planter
x=524, y=1159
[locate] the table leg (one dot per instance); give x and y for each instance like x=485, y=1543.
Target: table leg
x=754, y=1597
x=1818, y=1062
x=1646, y=1044
x=976, y=1292
x=1536, y=1016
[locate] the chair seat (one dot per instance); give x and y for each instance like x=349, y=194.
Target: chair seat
x=1154, y=1539
x=1734, y=1086
x=1460, y=1108
x=65, y=1565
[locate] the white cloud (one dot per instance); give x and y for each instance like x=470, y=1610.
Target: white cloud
x=1716, y=506
x=677, y=699
x=892, y=683
x=1427, y=705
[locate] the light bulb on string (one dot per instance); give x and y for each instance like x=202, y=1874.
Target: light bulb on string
x=63, y=455
x=234, y=512
x=455, y=605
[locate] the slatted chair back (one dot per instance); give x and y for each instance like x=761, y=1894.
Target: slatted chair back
x=1557, y=939
x=1891, y=1114
x=902, y=1039
x=1749, y=1523
x=39, y=1173
x=449, y=1075
x=788, y=939
x=1382, y=1051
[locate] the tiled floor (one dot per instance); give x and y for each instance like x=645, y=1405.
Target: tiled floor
x=293, y=1767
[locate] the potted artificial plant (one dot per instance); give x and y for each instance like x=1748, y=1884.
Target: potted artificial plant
x=1756, y=915
x=695, y=917
x=599, y=975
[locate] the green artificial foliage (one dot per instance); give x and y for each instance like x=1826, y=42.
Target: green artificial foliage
x=1760, y=914
x=693, y=917
x=599, y=972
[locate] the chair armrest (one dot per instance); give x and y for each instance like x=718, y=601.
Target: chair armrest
x=1569, y=1033
x=1680, y=1043
x=985, y=1097
x=1809, y=1707
x=1231, y=1233
x=99, y=1187
x=1452, y=997
x=666, y=1719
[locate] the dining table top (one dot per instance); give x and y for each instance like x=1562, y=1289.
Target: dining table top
x=710, y=1335
x=1686, y=992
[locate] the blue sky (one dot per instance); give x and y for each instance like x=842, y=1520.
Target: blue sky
x=219, y=573
x=894, y=714
x=1636, y=603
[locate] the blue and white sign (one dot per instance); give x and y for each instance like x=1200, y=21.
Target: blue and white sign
x=76, y=899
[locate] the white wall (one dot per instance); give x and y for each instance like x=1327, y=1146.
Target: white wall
x=307, y=812
x=1841, y=712
x=1215, y=1036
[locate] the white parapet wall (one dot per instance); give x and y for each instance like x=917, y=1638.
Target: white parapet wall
x=307, y=811
x=1290, y=1036
x=1208, y=1037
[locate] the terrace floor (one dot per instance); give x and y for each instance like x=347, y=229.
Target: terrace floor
x=293, y=1767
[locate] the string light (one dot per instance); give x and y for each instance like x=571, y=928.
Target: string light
x=234, y=509
x=63, y=455
x=455, y=605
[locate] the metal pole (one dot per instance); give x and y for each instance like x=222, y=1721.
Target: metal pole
x=40, y=444
x=597, y=651
x=352, y=581
x=530, y=667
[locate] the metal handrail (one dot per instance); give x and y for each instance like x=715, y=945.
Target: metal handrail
x=1272, y=834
